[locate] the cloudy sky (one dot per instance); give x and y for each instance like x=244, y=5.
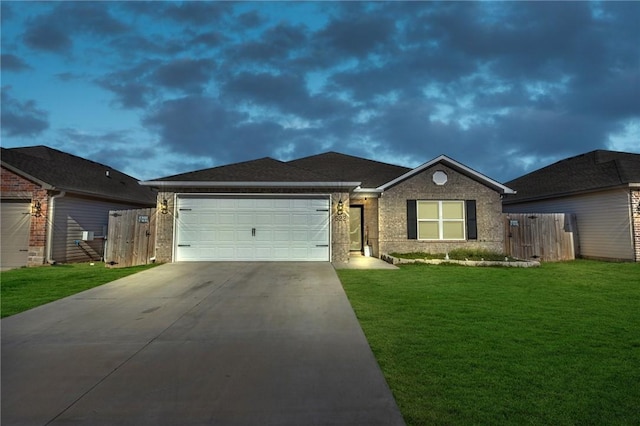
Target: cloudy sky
x=160, y=88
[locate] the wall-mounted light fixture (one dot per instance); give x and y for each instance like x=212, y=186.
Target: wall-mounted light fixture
x=340, y=207
x=36, y=209
x=164, y=206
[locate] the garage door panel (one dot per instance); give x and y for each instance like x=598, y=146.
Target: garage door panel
x=239, y=228
x=14, y=239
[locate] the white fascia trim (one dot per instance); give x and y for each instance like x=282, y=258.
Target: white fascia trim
x=446, y=160
x=368, y=190
x=219, y=184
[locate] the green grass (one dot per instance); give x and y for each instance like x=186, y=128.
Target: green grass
x=559, y=344
x=26, y=288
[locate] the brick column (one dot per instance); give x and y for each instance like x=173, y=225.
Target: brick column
x=164, y=228
x=340, y=228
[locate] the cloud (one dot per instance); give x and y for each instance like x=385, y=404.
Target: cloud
x=197, y=125
x=54, y=31
x=194, y=124
x=194, y=13
x=189, y=75
x=47, y=36
x=499, y=86
x=13, y=63
x=21, y=118
x=276, y=43
x=130, y=86
x=251, y=19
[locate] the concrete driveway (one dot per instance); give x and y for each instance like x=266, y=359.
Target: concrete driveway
x=196, y=344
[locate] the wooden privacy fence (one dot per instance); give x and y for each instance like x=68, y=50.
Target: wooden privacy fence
x=131, y=237
x=541, y=236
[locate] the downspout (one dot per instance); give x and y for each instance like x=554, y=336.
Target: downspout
x=50, y=215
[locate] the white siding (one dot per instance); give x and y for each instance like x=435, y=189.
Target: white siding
x=603, y=218
x=74, y=215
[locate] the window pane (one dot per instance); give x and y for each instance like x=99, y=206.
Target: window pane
x=453, y=230
x=427, y=210
x=452, y=210
x=428, y=231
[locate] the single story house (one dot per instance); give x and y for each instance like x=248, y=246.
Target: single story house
x=55, y=206
x=323, y=207
x=602, y=189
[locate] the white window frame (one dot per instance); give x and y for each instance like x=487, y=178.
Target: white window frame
x=441, y=220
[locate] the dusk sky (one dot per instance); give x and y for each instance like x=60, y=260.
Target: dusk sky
x=159, y=88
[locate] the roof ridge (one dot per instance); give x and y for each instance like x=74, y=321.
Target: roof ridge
x=347, y=155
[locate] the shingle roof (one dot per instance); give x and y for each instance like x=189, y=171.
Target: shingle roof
x=66, y=172
x=260, y=170
x=586, y=172
x=349, y=168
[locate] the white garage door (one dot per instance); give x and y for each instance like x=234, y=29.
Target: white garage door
x=251, y=229
x=16, y=219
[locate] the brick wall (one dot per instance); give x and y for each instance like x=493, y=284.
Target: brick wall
x=164, y=229
x=393, y=212
x=14, y=186
x=635, y=208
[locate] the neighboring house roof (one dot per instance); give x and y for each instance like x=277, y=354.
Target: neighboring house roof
x=592, y=171
x=57, y=170
x=370, y=173
x=449, y=162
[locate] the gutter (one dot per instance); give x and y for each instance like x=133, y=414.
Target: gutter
x=246, y=184
x=511, y=200
x=50, y=214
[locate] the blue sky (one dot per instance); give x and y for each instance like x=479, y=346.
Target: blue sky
x=159, y=88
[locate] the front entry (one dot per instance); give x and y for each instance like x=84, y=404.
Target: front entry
x=355, y=228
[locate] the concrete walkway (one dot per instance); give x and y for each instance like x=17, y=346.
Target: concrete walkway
x=196, y=344
x=358, y=261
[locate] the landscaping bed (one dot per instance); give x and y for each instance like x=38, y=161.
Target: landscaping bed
x=459, y=257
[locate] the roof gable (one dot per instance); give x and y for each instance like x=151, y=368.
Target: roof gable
x=591, y=171
x=443, y=159
x=339, y=166
x=61, y=171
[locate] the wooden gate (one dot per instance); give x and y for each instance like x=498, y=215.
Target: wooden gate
x=131, y=237
x=541, y=236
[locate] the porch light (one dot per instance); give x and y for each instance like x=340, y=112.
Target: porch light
x=36, y=209
x=164, y=206
x=340, y=207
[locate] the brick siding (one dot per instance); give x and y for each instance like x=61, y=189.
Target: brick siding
x=393, y=212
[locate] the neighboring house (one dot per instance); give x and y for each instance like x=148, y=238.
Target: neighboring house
x=602, y=189
x=49, y=198
x=323, y=207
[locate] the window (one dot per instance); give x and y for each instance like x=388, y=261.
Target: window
x=441, y=220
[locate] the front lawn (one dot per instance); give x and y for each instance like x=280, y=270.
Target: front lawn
x=26, y=288
x=559, y=344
